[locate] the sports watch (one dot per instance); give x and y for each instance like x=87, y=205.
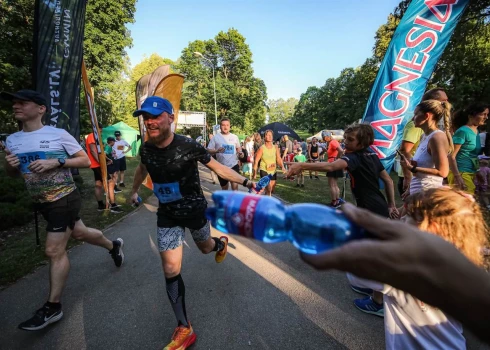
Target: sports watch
x=62, y=162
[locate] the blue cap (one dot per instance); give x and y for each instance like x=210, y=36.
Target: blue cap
x=155, y=105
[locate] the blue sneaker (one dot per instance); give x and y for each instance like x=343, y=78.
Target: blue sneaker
x=339, y=203
x=365, y=291
x=369, y=306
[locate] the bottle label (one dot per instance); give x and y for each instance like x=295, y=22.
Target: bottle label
x=244, y=219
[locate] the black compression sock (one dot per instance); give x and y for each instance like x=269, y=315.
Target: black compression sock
x=219, y=244
x=176, y=295
x=54, y=306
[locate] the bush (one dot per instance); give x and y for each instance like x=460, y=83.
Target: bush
x=15, y=203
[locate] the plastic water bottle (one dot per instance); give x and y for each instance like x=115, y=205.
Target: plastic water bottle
x=312, y=228
x=139, y=200
x=263, y=182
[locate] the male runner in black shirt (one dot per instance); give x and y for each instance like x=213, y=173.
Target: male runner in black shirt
x=171, y=160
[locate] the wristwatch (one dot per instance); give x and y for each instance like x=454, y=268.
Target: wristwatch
x=245, y=182
x=62, y=162
x=414, y=169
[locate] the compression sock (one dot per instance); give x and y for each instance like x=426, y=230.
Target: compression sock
x=176, y=295
x=219, y=244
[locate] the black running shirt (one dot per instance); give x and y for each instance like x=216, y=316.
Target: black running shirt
x=364, y=168
x=174, y=172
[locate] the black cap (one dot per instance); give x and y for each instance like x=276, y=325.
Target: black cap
x=109, y=139
x=117, y=133
x=25, y=95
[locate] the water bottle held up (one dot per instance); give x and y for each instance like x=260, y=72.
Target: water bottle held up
x=312, y=228
x=263, y=182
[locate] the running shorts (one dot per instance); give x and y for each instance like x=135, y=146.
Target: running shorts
x=62, y=213
x=170, y=238
x=224, y=182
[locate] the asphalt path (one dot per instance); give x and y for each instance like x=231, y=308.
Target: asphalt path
x=261, y=297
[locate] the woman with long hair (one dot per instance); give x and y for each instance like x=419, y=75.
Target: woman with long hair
x=464, y=160
x=268, y=156
x=430, y=163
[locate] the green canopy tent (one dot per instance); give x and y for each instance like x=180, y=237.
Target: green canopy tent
x=127, y=133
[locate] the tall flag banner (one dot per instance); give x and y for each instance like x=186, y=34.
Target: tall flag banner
x=89, y=100
x=58, y=53
x=414, y=50
x=171, y=88
x=141, y=95
x=156, y=77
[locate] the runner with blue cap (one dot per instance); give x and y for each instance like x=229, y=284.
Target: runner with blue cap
x=171, y=161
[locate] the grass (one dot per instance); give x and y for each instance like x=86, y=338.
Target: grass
x=317, y=191
x=19, y=254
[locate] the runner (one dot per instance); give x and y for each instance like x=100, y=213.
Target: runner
x=268, y=156
x=314, y=155
x=334, y=151
x=171, y=160
x=121, y=147
x=95, y=166
x=226, y=147
x=43, y=156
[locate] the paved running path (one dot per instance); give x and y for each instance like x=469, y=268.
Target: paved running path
x=261, y=297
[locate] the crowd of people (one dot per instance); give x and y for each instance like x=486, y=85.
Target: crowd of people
x=419, y=282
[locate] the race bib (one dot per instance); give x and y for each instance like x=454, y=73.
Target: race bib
x=271, y=166
x=120, y=148
x=229, y=149
x=167, y=193
x=314, y=154
x=28, y=158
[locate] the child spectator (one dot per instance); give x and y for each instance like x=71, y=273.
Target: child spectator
x=300, y=158
x=409, y=322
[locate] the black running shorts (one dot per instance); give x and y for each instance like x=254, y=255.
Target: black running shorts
x=120, y=164
x=98, y=174
x=62, y=213
x=224, y=182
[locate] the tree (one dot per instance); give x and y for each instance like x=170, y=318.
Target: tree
x=281, y=110
x=240, y=95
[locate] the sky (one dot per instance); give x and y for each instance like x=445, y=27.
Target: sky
x=295, y=44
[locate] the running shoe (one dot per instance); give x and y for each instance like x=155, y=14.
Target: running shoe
x=302, y=185
x=121, y=184
x=317, y=178
x=221, y=254
x=117, y=252
x=101, y=207
x=117, y=190
x=365, y=291
x=338, y=203
x=369, y=306
x=182, y=338
x=42, y=318
x=116, y=209
x=297, y=185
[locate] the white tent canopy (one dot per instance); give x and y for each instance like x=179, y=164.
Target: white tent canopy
x=336, y=135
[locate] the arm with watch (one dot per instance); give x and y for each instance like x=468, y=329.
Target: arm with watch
x=438, y=148
x=229, y=174
x=77, y=160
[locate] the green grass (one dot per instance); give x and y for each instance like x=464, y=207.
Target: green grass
x=19, y=254
x=317, y=191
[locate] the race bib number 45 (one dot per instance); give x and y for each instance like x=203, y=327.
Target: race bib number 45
x=27, y=158
x=167, y=193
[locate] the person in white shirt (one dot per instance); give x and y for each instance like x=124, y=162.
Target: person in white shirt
x=121, y=147
x=409, y=322
x=226, y=147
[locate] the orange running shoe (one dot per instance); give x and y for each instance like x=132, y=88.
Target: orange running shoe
x=182, y=338
x=221, y=254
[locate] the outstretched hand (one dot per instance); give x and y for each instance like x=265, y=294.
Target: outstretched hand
x=398, y=254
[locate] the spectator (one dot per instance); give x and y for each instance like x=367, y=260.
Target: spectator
x=314, y=155
x=300, y=158
x=249, y=150
x=121, y=148
x=463, y=161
